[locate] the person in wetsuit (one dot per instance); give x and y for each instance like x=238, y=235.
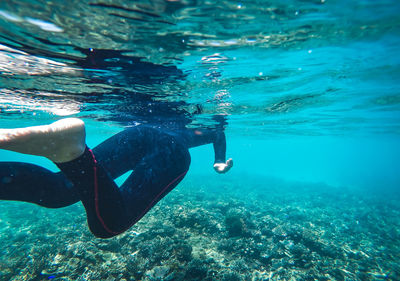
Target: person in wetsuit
x=159, y=159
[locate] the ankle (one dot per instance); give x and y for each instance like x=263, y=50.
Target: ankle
x=67, y=153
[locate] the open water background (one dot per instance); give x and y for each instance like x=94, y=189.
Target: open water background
x=311, y=96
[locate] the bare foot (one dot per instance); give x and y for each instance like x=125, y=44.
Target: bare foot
x=61, y=141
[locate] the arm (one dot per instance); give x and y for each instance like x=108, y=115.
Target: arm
x=220, y=165
x=197, y=137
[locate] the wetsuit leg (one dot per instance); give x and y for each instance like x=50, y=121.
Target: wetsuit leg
x=34, y=184
x=154, y=176
x=158, y=163
x=99, y=194
x=121, y=152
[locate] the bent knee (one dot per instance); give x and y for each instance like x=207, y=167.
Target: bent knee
x=100, y=230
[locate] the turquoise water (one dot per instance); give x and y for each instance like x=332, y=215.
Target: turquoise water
x=311, y=96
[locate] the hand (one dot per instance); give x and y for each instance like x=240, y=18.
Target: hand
x=222, y=168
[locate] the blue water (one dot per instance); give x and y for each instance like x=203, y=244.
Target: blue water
x=310, y=91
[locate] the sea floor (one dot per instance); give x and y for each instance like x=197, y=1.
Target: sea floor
x=267, y=229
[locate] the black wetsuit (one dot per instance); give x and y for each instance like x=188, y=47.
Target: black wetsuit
x=158, y=158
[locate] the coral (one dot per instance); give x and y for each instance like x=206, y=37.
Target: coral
x=196, y=270
x=291, y=234
x=157, y=273
x=236, y=223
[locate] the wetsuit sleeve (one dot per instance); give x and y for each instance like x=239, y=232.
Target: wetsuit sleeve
x=220, y=147
x=197, y=137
